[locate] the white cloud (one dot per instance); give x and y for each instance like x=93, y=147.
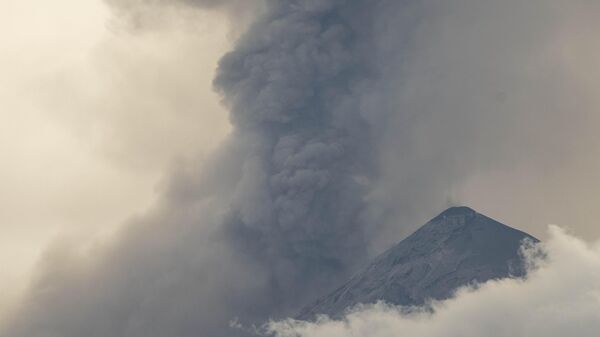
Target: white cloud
x=561, y=297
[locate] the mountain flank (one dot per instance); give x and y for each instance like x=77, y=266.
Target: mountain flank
x=458, y=247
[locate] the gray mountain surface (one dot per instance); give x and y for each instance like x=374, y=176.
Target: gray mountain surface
x=456, y=248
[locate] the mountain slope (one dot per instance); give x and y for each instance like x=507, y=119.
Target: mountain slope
x=456, y=248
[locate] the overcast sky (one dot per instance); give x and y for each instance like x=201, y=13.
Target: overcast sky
x=91, y=118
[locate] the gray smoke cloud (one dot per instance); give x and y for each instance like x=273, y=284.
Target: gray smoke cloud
x=278, y=219
x=351, y=120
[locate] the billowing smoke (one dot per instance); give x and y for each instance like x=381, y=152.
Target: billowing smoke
x=274, y=221
x=561, y=297
x=351, y=119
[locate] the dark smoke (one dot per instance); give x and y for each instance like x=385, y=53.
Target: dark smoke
x=283, y=222
x=352, y=119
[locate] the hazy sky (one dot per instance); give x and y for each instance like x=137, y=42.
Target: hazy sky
x=91, y=117
x=325, y=137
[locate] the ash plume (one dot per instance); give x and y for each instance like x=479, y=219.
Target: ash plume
x=279, y=218
x=351, y=119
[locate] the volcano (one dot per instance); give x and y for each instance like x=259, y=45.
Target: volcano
x=456, y=248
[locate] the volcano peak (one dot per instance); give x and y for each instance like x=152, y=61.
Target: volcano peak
x=456, y=248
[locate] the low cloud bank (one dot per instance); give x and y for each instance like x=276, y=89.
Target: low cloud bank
x=560, y=297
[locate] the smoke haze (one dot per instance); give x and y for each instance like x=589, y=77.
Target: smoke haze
x=352, y=122
x=91, y=114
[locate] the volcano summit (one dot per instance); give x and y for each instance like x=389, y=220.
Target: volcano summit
x=456, y=248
